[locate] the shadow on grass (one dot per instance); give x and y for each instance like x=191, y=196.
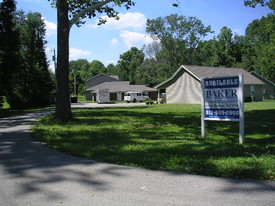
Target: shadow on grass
x=167, y=141
x=30, y=168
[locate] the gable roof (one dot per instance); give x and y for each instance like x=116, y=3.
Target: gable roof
x=109, y=76
x=199, y=72
x=114, y=77
x=120, y=86
x=261, y=77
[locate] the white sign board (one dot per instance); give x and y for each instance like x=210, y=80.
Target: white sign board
x=222, y=100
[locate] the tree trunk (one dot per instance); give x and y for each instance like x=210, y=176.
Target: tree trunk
x=63, y=106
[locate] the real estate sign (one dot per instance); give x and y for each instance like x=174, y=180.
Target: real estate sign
x=222, y=100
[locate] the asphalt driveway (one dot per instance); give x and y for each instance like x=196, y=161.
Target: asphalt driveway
x=33, y=174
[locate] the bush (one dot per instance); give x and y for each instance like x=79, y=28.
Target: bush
x=149, y=101
x=1, y=101
x=248, y=99
x=17, y=101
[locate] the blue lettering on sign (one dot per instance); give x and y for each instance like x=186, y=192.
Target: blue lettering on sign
x=221, y=83
x=221, y=93
x=218, y=113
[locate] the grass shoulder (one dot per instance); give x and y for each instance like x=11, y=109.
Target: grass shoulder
x=167, y=137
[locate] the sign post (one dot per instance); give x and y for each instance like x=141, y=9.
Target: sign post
x=222, y=100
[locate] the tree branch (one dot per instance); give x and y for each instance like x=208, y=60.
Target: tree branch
x=89, y=9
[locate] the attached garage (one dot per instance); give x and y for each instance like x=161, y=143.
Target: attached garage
x=113, y=96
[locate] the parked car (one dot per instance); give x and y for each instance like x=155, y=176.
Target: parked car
x=134, y=97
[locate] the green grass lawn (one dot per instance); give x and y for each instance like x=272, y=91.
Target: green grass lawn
x=167, y=137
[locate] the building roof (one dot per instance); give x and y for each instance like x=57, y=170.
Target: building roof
x=114, y=77
x=261, y=77
x=199, y=72
x=120, y=86
x=109, y=76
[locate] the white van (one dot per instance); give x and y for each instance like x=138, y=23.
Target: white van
x=134, y=97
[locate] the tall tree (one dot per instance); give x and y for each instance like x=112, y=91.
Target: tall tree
x=155, y=68
x=179, y=36
x=25, y=78
x=260, y=48
x=79, y=73
x=111, y=69
x=97, y=67
x=70, y=13
x=254, y=3
x=149, y=73
x=37, y=85
x=9, y=49
x=129, y=63
x=224, y=50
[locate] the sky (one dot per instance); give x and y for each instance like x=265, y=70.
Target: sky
x=107, y=42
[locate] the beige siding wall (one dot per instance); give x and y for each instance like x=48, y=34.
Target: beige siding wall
x=268, y=88
x=268, y=91
x=247, y=92
x=185, y=90
x=258, y=93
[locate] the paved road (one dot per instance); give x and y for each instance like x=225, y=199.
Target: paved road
x=33, y=174
x=96, y=105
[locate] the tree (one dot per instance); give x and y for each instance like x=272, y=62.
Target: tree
x=36, y=83
x=223, y=53
x=148, y=72
x=70, y=13
x=154, y=68
x=9, y=48
x=129, y=63
x=97, y=67
x=260, y=47
x=254, y=3
x=179, y=37
x=79, y=71
x=111, y=69
x=224, y=50
x=205, y=52
x=25, y=78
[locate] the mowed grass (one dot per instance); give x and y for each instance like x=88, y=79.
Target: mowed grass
x=168, y=137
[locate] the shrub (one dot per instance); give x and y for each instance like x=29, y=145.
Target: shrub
x=1, y=101
x=248, y=99
x=17, y=101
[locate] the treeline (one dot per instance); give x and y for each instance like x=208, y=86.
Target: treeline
x=25, y=79
x=180, y=40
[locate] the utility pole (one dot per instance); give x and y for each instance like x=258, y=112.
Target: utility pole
x=74, y=83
